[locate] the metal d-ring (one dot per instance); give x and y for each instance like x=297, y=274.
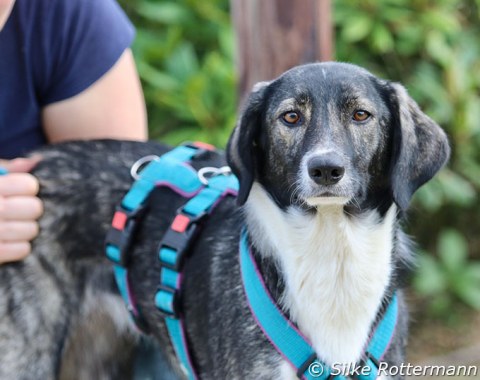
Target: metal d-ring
x=135, y=169
x=208, y=172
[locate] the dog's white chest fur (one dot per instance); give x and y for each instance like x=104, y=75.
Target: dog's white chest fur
x=335, y=268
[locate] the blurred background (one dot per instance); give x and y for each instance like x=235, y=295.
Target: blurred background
x=185, y=52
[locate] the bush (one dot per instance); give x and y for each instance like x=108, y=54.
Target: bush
x=184, y=53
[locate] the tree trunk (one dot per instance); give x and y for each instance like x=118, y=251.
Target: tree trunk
x=275, y=35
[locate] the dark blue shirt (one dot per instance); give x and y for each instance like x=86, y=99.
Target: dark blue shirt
x=51, y=50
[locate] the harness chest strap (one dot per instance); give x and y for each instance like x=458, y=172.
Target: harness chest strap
x=288, y=340
x=172, y=171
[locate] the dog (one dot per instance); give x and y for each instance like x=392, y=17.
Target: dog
x=328, y=157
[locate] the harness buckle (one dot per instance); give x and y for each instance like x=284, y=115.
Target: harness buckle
x=204, y=174
x=203, y=149
x=179, y=237
x=139, y=164
x=373, y=359
x=120, y=235
x=167, y=301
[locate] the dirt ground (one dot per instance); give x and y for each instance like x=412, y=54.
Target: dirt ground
x=434, y=341
x=430, y=337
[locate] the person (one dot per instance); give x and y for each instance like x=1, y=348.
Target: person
x=66, y=72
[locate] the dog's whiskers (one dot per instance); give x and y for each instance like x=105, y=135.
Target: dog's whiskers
x=296, y=190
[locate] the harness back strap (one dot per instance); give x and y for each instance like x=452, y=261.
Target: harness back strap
x=288, y=340
x=168, y=169
x=171, y=252
x=171, y=170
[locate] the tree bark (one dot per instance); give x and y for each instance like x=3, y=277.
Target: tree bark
x=275, y=35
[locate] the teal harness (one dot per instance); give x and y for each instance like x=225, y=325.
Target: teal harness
x=289, y=341
x=203, y=190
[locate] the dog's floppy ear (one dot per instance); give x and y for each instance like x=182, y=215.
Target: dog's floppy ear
x=242, y=146
x=421, y=148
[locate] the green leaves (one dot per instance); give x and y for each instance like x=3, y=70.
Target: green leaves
x=430, y=279
x=357, y=29
x=452, y=251
x=451, y=277
x=184, y=53
x=448, y=187
x=168, y=13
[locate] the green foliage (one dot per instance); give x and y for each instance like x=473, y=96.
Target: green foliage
x=433, y=48
x=450, y=277
x=184, y=53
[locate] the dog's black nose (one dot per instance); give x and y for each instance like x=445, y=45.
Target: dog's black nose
x=326, y=169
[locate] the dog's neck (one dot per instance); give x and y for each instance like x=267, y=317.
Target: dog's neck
x=334, y=269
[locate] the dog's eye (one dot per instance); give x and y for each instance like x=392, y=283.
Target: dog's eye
x=291, y=117
x=361, y=115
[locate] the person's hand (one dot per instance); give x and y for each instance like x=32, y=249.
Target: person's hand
x=19, y=209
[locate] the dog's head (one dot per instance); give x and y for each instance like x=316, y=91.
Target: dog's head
x=332, y=133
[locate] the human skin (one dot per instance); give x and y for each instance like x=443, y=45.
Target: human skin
x=112, y=107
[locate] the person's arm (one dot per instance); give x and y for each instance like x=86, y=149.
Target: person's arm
x=112, y=107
